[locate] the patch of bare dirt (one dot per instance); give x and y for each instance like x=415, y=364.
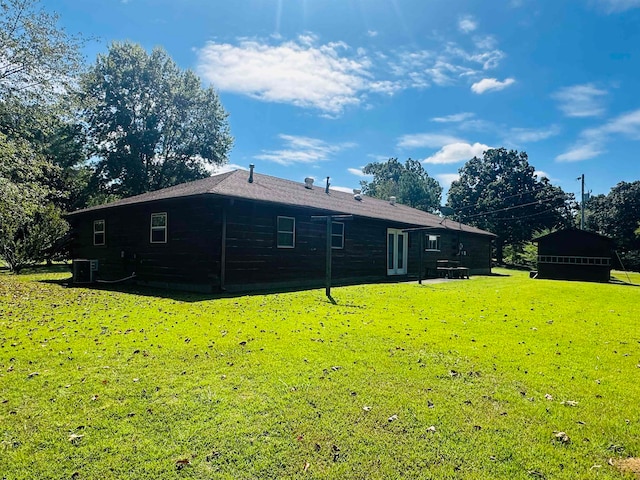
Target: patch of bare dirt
x=628, y=465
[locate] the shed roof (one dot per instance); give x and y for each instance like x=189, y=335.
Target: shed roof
x=571, y=232
x=265, y=188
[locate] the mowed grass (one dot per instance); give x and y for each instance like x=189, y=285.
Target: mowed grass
x=468, y=379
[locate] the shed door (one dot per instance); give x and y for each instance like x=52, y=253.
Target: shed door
x=397, y=246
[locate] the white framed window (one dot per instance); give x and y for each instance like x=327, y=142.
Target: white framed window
x=433, y=242
x=158, y=228
x=337, y=235
x=286, y=232
x=99, y=234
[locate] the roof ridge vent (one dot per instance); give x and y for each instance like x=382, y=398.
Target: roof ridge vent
x=357, y=196
x=392, y=200
x=308, y=183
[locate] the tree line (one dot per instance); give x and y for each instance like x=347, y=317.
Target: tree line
x=73, y=136
x=501, y=193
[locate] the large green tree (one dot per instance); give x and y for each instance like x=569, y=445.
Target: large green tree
x=408, y=182
x=38, y=59
x=30, y=222
x=38, y=63
x=617, y=215
x=151, y=124
x=501, y=193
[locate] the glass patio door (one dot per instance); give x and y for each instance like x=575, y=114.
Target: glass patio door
x=397, y=243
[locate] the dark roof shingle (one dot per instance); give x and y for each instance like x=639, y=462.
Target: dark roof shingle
x=265, y=188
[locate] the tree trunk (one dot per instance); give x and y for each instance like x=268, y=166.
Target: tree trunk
x=499, y=250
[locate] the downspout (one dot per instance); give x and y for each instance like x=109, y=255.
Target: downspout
x=223, y=249
x=421, y=268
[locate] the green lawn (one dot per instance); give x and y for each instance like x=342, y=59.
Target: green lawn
x=468, y=379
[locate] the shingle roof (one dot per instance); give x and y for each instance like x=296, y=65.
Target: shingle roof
x=265, y=188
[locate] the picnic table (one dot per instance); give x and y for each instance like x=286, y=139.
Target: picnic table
x=451, y=269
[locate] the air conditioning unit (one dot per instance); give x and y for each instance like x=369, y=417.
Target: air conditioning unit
x=84, y=270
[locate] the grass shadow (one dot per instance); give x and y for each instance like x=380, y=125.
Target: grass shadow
x=616, y=281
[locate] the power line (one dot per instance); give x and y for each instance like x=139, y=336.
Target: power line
x=512, y=207
x=534, y=191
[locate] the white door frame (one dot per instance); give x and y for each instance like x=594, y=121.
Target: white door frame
x=397, y=251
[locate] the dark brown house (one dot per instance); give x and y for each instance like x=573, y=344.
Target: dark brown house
x=574, y=255
x=246, y=231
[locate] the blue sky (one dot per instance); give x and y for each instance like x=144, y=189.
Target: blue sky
x=322, y=87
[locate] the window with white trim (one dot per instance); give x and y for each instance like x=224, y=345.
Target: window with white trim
x=158, y=228
x=99, y=236
x=337, y=235
x=286, y=232
x=433, y=242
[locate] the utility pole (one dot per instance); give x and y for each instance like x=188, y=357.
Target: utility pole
x=582, y=204
x=329, y=219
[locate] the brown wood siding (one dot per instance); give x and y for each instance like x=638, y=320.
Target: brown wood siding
x=574, y=243
x=193, y=252
x=253, y=255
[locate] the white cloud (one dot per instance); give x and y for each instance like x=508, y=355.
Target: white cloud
x=491, y=84
x=421, y=140
x=341, y=189
x=592, y=141
x=297, y=72
x=386, y=87
x=358, y=172
x=627, y=124
x=530, y=135
x=457, y=152
x=304, y=150
x=485, y=54
x=467, y=24
x=372, y=33
x=333, y=76
x=613, y=6
x=446, y=179
x=227, y=167
x=581, y=100
x=580, y=152
x=454, y=118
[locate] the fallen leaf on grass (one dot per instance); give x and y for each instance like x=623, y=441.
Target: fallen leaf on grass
x=569, y=403
x=562, y=437
x=366, y=408
x=33, y=374
x=212, y=456
x=336, y=452
x=306, y=467
x=75, y=438
x=548, y=397
x=536, y=474
x=432, y=428
x=183, y=462
x=393, y=418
